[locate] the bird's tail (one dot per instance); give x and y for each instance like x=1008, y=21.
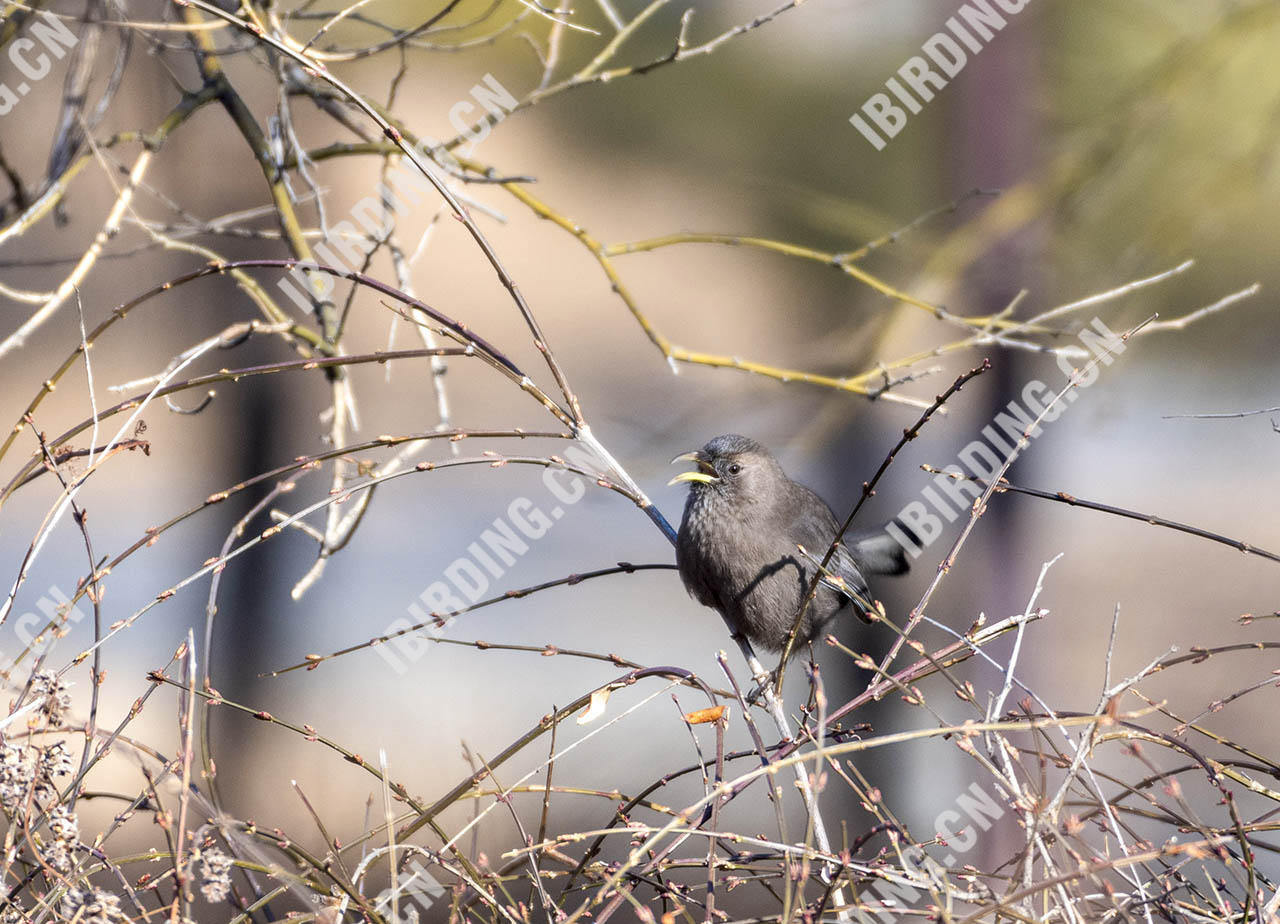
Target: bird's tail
x=878, y=552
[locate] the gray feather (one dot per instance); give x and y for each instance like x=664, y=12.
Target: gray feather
x=737, y=547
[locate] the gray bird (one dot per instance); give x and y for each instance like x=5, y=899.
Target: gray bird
x=737, y=548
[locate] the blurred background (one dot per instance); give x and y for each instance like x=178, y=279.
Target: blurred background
x=1110, y=141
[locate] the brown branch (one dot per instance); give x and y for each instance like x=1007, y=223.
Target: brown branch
x=1062, y=497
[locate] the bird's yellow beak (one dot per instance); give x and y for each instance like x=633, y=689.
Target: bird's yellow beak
x=705, y=474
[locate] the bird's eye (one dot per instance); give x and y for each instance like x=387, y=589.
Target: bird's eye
x=734, y=468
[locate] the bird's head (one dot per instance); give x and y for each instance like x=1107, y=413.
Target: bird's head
x=731, y=467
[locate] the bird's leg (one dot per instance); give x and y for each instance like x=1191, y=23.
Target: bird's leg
x=756, y=695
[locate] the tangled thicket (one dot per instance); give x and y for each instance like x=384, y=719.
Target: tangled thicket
x=1131, y=812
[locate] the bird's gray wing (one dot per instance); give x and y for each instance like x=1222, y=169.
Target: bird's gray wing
x=815, y=527
x=855, y=588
